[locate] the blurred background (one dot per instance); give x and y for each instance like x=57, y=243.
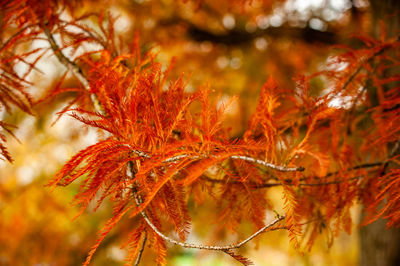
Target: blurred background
x=234, y=46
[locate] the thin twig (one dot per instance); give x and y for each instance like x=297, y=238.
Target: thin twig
x=130, y=172
x=139, y=256
x=353, y=107
x=360, y=166
x=70, y=65
x=198, y=246
x=267, y=185
x=235, y=157
x=395, y=150
x=360, y=67
x=138, y=200
x=266, y=164
x=288, y=181
x=352, y=76
x=88, y=32
x=3, y=45
x=335, y=182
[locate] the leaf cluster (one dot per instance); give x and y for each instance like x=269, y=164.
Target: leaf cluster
x=166, y=148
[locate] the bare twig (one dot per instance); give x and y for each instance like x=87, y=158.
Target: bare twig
x=360, y=67
x=3, y=45
x=138, y=200
x=335, y=182
x=395, y=150
x=71, y=66
x=74, y=68
x=139, y=256
x=267, y=185
x=288, y=181
x=92, y=34
x=221, y=248
x=360, y=166
x=235, y=157
x=266, y=164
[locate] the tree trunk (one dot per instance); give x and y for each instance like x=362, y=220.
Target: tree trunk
x=386, y=11
x=380, y=246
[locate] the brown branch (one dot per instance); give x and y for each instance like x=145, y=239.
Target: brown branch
x=206, y=247
x=138, y=200
x=266, y=164
x=360, y=166
x=74, y=68
x=3, y=45
x=235, y=157
x=288, y=181
x=353, y=108
x=395, y=150
x=335, y=182
x=360, y=67
x=71, y=66
x=267, y=185
x=92, y=34
x=139, y=256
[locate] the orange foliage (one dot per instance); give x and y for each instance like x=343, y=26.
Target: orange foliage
x=162, y=141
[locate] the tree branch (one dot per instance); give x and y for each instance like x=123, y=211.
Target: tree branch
x=266, y=164
x=360, y=166
x=141, y=250
x=395, y=150
x=74, y=68
x=234, y=157
x=138, y=200
x=71, y=66
x=267, y=185
x=15, y=35
x=221, y=248
x=360, y=67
